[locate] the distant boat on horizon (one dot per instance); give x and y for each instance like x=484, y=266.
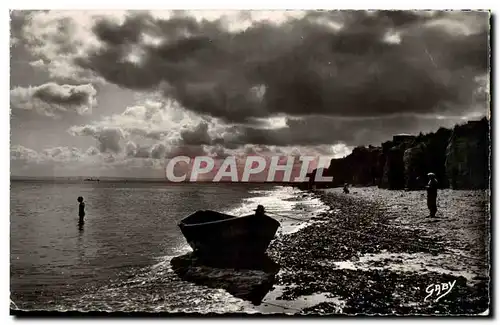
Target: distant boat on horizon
x=91, y=179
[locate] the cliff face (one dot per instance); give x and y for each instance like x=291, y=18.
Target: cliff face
x=427, y=153
x=467, y=156
x=360, y=167
x=393, y=174
x=458, y=157
x=416, y=164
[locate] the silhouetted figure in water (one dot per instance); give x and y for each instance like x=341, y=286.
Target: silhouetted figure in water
x=346, y=189
x=260, y=211
x=432, y=187
x=81, y=211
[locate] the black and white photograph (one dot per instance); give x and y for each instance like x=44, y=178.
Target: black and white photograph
x=250, y=163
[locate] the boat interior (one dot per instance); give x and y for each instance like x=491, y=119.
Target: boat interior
x=205, y=216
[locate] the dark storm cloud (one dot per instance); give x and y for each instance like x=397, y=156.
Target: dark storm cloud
x=379, y=71
x=320, y=130
x=128, y=32
x=307, y=66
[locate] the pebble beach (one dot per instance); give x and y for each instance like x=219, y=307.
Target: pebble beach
x=375, y=252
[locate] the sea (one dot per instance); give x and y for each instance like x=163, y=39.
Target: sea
x=119, y=260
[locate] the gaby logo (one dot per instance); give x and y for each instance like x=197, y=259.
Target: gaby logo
x=439, y=290
x=241, y=169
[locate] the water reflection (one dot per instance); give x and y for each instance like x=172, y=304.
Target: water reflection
x=127, y=227
x=80, y=242
x=251, y=282
x=80, y=227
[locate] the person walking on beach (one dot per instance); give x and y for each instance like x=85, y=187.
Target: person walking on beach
x=81, y=210
x=346, y=188
x=432, y=187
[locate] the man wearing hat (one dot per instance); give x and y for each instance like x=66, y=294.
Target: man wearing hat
x=432, y=187
x=260, y=210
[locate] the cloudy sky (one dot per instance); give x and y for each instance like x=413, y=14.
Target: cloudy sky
x=116, y=93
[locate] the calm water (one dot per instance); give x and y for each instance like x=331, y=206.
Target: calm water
x=119, y=259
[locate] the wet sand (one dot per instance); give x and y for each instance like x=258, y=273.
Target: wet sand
x=377, y=252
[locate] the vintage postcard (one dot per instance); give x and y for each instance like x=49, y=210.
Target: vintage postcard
x=315, y=162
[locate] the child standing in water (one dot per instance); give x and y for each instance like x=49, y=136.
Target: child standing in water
x=81, y=209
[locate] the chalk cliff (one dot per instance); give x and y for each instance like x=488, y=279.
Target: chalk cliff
x=458, y=157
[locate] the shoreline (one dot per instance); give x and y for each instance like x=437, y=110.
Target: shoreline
x=372, y=251
x=375, y=252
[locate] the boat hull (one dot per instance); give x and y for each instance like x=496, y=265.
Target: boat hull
x=224, y=238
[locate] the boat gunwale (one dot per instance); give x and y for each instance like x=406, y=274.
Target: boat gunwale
x=220, y=221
